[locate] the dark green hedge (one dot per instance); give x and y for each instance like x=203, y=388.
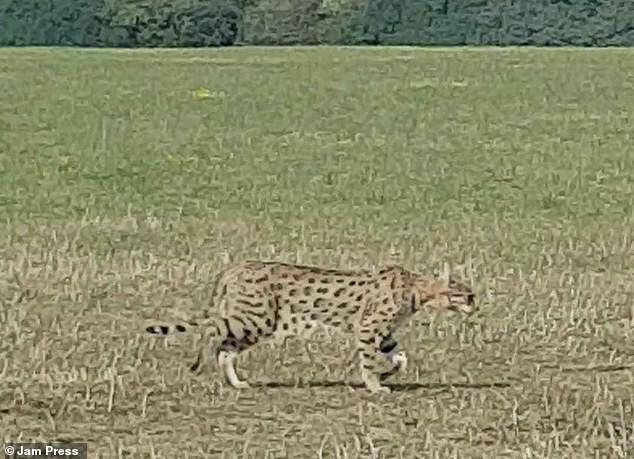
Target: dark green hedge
x=124, y=23
x=495, y=22
x=148, y=23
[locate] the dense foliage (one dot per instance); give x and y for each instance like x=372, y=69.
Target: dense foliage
x=136, y=23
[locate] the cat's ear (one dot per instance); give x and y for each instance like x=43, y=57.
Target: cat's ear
x=444, y=275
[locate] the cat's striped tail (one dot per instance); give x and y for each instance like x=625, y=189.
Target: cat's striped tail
x=170, y=329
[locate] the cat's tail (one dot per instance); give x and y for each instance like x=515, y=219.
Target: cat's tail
x=174, y=328
x=213, y=329
x=169, y=329
x=217, y=327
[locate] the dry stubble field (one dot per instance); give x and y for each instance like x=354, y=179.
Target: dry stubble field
x=121, y=196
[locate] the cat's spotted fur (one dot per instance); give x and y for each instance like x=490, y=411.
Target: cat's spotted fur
x=256, y=300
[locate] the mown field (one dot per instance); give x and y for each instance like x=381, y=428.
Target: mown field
x=123, y=192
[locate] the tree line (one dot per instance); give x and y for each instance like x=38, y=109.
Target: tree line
x=192, y=23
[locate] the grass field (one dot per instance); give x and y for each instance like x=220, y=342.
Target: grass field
x=122, y=194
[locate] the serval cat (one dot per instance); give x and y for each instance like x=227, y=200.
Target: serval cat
x=256, y=300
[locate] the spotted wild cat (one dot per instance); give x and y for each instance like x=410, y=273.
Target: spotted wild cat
x=258, y=300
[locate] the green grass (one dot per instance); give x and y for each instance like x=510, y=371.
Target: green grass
x=121, y=196
x=372, y=134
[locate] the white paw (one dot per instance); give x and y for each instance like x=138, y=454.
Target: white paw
x=398, y=359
